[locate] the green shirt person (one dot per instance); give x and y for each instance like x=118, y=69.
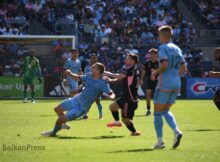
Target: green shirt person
x=31, y=70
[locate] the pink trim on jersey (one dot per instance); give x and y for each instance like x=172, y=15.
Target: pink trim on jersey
x=130, y=81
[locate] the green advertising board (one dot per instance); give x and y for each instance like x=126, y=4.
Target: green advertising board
x=13, y=87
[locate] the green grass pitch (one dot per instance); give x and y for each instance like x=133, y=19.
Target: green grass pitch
x=91, y=141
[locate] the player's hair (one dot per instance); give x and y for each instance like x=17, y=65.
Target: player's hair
x=134, y=57
x=74, y=50
x=166, y=30
x=100, y=67
x=153, y=50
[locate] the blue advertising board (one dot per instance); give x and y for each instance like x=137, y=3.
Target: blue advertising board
x=201, y=88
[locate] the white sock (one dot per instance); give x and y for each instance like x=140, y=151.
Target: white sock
x=160, y=140
x=117, y=122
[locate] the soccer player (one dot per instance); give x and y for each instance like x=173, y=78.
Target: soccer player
x=150, y=85
x=172, y=63
x=93, y=60
x=79, y=104
x=75, y=67
x=128, y=102
x=31, y=69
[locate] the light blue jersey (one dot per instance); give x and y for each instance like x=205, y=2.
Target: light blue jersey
x=75, y=67
x=87, y=69
x=80, y=104
x=169, y=80
x=169, y=83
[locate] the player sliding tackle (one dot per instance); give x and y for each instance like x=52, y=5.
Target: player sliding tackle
x=80, y=104
x=171, y=64
x=128, y=102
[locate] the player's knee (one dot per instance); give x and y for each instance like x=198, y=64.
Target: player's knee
x=112, y=107
x=62, y=119
x=126, y=121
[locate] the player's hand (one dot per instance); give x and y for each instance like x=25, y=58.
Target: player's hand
x=65, y=83
x=67, y=72
x=153, y=75
x=39, y=80
x=106, y=78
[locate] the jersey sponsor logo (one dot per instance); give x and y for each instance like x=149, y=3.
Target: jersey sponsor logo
x=203, y=87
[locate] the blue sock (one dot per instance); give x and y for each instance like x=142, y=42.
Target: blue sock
x=158, y=124
x=56, y=129
x=170, y=120
x=99, y=108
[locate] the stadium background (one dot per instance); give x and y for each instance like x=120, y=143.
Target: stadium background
x=110, y=29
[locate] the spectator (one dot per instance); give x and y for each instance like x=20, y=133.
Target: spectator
x=7, y=71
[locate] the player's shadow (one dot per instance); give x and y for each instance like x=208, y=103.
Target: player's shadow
x=140, y=116
x=203, y=130
x=47, y=115
x=95, y=138
x=133, y=150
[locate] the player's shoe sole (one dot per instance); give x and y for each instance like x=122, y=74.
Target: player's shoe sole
x=159, y=146
x=135, y=134
x=148, y=113
x=25, y=100
x=177, y=140
x=65, y=126
x=47, y=134
x=113, y=124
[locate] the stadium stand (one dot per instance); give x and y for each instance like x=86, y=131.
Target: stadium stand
x=108, y=28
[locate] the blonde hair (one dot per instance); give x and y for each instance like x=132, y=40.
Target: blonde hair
x=166, y=30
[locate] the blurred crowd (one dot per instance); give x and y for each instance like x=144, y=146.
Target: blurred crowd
x=206, y=11
x=108, y=28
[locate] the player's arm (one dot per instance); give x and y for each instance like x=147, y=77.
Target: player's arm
x=75, y=77
x=161, y=69
x=23, y=67
x=111, y=96
x=38, y=71
x=118, y=76
x=142, y=76
x=183, y=68
x=109, y=80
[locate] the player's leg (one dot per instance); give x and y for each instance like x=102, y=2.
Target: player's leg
x=148, y=101
x=32, y=93
x=114, y=106
x=74, y=111
x=127, y=116
x=160, y=101
x=98, y=103
x=25, y=92
x=170, y=119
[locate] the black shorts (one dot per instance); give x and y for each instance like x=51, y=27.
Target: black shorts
x=127, y=108
x=151, y=85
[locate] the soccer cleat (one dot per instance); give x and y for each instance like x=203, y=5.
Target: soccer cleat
x=100, y=118
x=85, y=117
x=65, y=126
x=25, y=100
x=148, y=113
x=114, y=124
x=159, y=146
x=33, y=101
x=177, y=139
x=136, y=133
x=47, y=134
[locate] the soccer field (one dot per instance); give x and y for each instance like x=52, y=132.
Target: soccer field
x=91, y=141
